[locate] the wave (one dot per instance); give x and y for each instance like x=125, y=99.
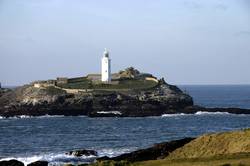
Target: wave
x=43, y=116
x=17, y=117
x=110, y=112
x=199, y=113
x=212, y=113
x=173, y=115
x=112, y=152
x=119, y=113
x=57, y=159
x=54, y=159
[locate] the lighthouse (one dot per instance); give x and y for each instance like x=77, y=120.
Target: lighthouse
x=106, y=67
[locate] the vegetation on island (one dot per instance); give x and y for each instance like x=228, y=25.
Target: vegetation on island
x=128, y=79
x=123, y=84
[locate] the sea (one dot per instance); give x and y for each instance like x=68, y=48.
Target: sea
x=29, y=139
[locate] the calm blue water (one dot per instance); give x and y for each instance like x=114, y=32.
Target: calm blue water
x=219, y=95
x=48, y=138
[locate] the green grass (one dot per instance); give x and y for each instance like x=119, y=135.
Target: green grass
x=215, y=144
x=77, y=85
x=112, y=163
x=127, y=84
x=224, y=160
x=219, y=149
x=53, y=91
x=130, y=84
x=78, y=80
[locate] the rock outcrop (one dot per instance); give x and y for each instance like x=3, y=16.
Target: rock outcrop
x=82, y=152
x=11, y=163
x=32, y=101
x=39, y=163
x=156, y=100
x=217, y=149
x=158, y=151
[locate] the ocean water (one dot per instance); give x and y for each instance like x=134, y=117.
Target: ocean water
x=30, y=139
x=219, y=95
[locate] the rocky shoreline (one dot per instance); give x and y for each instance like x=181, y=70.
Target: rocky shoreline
x=214, y=149
x=162, y=99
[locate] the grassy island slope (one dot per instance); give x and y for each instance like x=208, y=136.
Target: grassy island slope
x=128, y=79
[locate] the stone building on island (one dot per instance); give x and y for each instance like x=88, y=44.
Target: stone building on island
x=124, y=79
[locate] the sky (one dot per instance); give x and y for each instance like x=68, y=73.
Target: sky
x=184, y=41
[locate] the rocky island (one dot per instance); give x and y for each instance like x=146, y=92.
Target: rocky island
x=130, y=93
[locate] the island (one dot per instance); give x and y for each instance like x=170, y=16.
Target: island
x=129, y=93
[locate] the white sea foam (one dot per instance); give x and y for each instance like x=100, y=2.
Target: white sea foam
x=199, y=113
x=58, y=159
x=173, y=115
x=23, y=116
x=53, y=159
x=27, y=116
x=211, y=113
x=25, y=160
x=114, y=152
x=49, y=116
x=110, y=112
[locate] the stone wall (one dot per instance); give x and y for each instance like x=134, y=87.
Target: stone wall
x=94, y=77
x=62, y=80
x=151, y=79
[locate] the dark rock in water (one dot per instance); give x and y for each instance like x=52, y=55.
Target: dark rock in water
x=11, y=163
x=83, y=152
x=39, y=163
x=158, y=151
x=195, y=109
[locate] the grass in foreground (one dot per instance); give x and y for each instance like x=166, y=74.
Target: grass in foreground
x=219, y=149
x=227, y=160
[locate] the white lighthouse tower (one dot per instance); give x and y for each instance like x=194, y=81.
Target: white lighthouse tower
x=106, y=67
